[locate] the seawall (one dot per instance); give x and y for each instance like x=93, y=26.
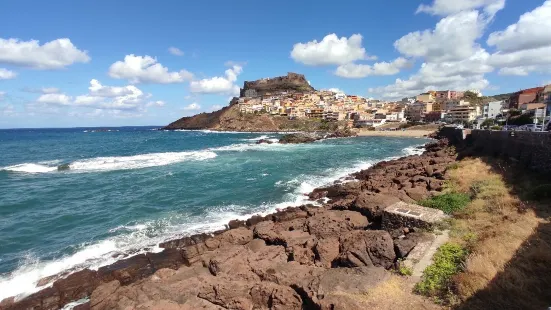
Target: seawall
x=530, y=149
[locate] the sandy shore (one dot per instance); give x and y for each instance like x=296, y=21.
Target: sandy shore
x=397, y=133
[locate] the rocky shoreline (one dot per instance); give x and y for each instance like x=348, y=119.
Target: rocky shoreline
x=306, y=257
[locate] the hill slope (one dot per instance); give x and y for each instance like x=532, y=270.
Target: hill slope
x=230, y=119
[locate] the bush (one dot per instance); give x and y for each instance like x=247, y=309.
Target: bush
x=436, y=279
x=405, y=271
x=540, y=192
x=453, y=166
x=449, y=202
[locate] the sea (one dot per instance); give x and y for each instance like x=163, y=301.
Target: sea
x=86, y=197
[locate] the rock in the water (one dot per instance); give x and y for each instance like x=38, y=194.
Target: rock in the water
x=295, y=138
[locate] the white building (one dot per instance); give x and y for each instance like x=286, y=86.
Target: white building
x=340, y=96
x=492, y=109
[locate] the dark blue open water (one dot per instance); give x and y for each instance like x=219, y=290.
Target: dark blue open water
x=131, y=188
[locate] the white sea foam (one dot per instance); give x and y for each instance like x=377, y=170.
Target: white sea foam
x=414, y=150
x=30, y=168
x=263, y=137
x=117, y=162
x=138, y=161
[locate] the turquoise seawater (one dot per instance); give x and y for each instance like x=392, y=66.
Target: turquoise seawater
x=128, y=189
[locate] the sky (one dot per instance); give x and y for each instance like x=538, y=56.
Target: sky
x=66, y=63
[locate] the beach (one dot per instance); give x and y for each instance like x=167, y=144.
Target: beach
x=398, y=133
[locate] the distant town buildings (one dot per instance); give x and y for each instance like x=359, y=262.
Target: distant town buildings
x=431, y=106
x=326, y=105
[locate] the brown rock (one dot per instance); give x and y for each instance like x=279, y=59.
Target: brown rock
x=272, y=296
x=255, y=219
x=366, y=248
x=76, y=286
x=236, y=224
x=326, y=250
x=338, y=288
x=46, y=299
x=417, y=193
x=213, y=267
x=405, y=245
x=333, y=223
x=103, y=291
x=127, y=271
x=372, y=206
x=168, y=258
x=240, y=236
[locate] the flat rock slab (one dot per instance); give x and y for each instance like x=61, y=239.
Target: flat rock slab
x=409, y=215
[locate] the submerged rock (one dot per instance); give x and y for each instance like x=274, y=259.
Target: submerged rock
x=63, y=167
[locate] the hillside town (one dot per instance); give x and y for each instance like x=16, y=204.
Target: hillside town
x=461, y=107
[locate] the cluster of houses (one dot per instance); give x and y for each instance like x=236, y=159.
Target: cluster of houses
x=433, y=106
x=449, y=106
x=326, y=104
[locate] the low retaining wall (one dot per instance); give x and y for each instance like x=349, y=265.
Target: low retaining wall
x=531, y=149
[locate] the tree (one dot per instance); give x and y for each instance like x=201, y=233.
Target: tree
x=472, y=98
x=488, y=122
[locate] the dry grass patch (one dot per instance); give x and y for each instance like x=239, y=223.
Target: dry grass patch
x=394, y=293
x=508, y=256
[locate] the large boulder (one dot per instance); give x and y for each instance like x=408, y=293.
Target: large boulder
x=366, y=248
x=372, y=206
x=340, y=288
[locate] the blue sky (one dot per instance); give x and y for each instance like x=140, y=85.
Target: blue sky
x=110, y=63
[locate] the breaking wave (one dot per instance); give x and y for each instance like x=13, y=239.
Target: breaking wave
x=115, y=162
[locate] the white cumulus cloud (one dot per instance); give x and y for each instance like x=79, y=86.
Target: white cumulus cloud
x=158, y=103
x=452, y=39
x=175, y=51
x=6, y=74
x=41, y=90
x=219, y=84
x=146, y=69
x=58, y=99
x=56, y=54
x=448, y=7
x=331, y=50
x=353, y=70
x=524, y=46
x=192, y=107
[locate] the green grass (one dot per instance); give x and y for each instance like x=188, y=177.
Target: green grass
x=449, y=202
x=447, y=261
x=405, y=271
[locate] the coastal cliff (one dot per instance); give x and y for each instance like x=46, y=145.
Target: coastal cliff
x=230, y=119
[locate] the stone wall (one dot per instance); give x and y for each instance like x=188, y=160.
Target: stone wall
x=531, y=149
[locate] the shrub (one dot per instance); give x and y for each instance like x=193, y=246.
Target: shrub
x=449, y=202
x=436, y=279
x=405, y=271
x=540, y=192
x=453, y=166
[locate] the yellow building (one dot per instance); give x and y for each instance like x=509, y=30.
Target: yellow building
x=426, y=97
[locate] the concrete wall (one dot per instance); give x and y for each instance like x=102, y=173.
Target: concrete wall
x=531, y=149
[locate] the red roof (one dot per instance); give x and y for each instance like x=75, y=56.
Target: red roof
x=531, y=90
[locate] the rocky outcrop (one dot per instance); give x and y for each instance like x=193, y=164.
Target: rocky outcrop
x=295, y=138
x=297, y=258
x=292, y=82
